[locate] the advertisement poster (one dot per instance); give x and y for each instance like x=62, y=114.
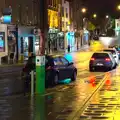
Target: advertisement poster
x=2, y=41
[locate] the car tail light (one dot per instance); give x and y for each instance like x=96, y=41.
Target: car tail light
x=107, y=59
x=92, y=59
x=49, y=68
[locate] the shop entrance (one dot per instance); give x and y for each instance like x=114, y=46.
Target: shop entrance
x=26, y=47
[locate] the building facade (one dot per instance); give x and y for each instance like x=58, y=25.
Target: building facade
x=65, y=15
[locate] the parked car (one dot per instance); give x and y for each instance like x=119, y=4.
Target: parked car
x=114, y=53
x=102, y=61
x=56, y=67
x=118, y=49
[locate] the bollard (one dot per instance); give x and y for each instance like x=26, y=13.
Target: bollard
x=32, y=83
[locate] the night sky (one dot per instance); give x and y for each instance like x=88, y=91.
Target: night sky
x=103, y=7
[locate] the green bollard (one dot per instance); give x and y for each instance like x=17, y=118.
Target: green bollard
x=40, y=75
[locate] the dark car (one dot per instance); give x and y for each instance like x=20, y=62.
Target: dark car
x=102, y=61
x=56, y=67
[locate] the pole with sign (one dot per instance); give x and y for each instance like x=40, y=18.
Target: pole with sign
x=40, y=74
x=40, y=58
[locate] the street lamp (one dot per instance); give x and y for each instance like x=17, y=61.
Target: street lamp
x=83, y=10
x=94, y=15
x=107, y=16
x=118, y=7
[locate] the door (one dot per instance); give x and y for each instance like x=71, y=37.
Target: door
x=61, y=68
x=68, y=68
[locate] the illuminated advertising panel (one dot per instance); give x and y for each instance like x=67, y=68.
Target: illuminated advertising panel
x=7, y=19
x=2, y=41
x=52, y=18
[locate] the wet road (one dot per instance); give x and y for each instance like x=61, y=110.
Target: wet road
x=10, y=77
x=105, y=103
x=59, y=103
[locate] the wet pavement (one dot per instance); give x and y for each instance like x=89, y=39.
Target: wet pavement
x=105, y=104
x=62, y=102
x=12, y=83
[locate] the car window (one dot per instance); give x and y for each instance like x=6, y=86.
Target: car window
x=100, y=55
x=112, y=51
x=49, y=61
x=64, y=61
x=57, y=61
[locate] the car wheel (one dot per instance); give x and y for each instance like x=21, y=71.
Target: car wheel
x=74, y=76
x=56, y=79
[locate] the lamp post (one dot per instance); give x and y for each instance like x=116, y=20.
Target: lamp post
x=83, y=10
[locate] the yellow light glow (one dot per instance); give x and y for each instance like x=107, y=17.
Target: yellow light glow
x=118, y=7
x=94, y=15
x=53, y=18
x=84, y=10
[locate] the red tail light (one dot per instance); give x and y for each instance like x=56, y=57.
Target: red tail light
x=49, y=68
x=92, y=59
x=107, y=59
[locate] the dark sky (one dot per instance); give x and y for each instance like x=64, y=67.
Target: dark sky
x=103, y=7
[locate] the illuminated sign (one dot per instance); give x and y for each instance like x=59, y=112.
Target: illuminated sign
x=53, y=18
x=7, y=19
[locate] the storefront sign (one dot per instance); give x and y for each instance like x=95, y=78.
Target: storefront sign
x=7, y=19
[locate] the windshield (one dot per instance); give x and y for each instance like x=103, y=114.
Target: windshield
x=100, y=55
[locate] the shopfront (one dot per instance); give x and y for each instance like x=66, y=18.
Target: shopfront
x=71, y=41
x=26, y=43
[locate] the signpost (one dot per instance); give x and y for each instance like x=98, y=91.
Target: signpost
x=40, y=74
x=40, y=58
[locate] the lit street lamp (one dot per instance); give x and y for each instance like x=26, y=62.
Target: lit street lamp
x=83, y=10
x=107, y=16
x=118, y=7
x=94, y=15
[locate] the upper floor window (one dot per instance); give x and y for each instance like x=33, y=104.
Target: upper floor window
x=62, y=11
x=66, y=13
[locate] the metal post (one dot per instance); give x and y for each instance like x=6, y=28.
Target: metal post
x=32, y=83
x=40, y=59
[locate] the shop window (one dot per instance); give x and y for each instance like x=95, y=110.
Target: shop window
x=66, y=13
x=63, y=11
x=62, y=24
x=2, y=41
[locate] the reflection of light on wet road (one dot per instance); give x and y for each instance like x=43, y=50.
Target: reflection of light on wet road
x=105, y=103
